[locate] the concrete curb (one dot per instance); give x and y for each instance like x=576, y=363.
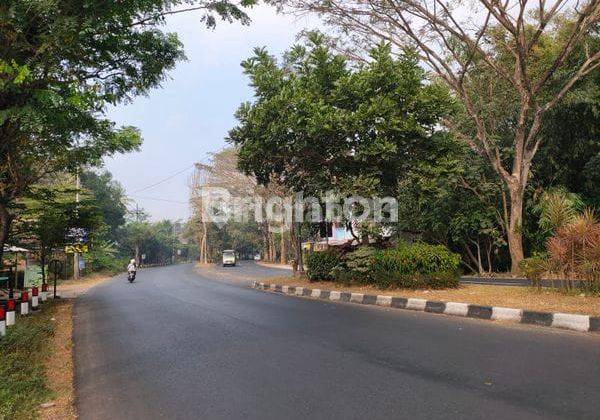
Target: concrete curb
x=583, y=323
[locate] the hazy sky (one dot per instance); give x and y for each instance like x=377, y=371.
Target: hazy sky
x=191, y=114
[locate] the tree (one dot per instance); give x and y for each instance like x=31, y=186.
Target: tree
x=110, y=198
x=319, y=125
x=453, y=198
x=490, y=51
x=222, y=172
x=135, y=234
x=48, y=213
x=62, y=62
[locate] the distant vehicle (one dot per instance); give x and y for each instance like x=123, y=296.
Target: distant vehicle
x=257, y=257
x=229, y=257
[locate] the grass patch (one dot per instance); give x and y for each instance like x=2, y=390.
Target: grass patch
x=546, y=300
x=23, y=352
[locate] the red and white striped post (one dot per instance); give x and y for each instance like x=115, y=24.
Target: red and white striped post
x=35, y=299
x=24, y=303
x=44, y=292
x=10, y=312
x=2, y=322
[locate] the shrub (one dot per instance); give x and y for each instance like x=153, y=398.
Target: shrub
x=319, y=264
x=437, y=280
x=356, y=266
x=574, y=251
x=416, y=266
x=533, y=268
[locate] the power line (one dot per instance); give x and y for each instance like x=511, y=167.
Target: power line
x=164, y=180
x=160, y=199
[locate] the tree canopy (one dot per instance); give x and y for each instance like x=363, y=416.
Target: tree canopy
x=61, y=63
x=319, y=124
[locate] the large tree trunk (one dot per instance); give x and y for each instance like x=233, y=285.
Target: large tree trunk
x=5, y=221
x=515, y=226
x=282, y=257
x=202, y=245
x=265, y=240
x=272, y=250
x=296, y=247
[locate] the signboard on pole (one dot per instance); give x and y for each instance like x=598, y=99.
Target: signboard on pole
x=77, y=248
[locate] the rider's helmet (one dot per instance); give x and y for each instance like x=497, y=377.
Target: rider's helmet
x=132, y=261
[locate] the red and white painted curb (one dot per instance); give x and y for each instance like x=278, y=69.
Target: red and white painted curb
x=24, y=303
x=10, y=312
x=29, y=301
x=44, y=292
x=2, y=322
x=35, y=299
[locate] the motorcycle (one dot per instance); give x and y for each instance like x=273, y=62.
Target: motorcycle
x=131, y=276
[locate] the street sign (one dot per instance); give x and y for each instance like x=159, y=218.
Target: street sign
x=77, y=235
x=79, y=248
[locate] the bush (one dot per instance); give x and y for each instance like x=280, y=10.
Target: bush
x=416, y=266
x=356, y=266
x=574, y=251
x=437, y=280
x=319, y=265
x=534, y=268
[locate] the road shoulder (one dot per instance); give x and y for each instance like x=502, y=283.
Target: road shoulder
x=59, y=361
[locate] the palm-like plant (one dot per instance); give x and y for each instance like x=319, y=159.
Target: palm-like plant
x=574, y=250
x=557, y=208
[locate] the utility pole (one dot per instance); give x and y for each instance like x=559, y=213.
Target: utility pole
x=76, y=254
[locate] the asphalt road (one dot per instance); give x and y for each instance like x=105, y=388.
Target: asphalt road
x=181, y=345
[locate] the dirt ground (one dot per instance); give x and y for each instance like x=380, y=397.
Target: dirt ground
x=548, y=300
x=59, y=365
x=72, y=288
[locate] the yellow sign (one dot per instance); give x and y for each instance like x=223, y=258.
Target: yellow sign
x=79, y=248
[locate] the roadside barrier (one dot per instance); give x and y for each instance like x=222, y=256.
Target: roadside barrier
x=35, y=299
x=44, y=292
x=10, y=312
x=2, y=322
x=24, y=303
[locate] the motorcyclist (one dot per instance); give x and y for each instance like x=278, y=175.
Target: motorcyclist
x=132, y=268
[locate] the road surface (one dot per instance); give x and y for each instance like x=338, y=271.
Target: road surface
x=181, y=345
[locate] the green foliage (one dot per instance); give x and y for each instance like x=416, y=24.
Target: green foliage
x=356, y=266
x=109, y=197
x=435, y=280
x=319, y=265
x=557, y=208
x=416, y=266
x=418, y=258
x=62, y=63
x=533, y=268
x=49, y=211
x=157, y=240
x=327, y=126
x=103, y=254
